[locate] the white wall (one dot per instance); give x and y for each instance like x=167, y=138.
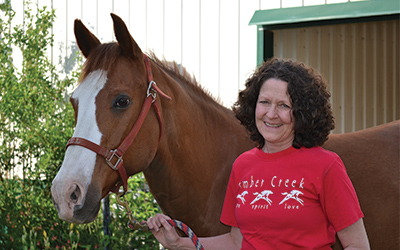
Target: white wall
x=211, y=38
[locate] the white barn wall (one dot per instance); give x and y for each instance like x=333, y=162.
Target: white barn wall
x=211, y=38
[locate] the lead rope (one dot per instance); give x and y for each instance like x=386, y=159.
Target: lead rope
x=135, y=225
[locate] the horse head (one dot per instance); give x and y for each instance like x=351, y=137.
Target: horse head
x=110, y=97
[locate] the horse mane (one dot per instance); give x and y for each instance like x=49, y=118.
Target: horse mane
x=173, y=67
x=112, y=51
x=180, y=73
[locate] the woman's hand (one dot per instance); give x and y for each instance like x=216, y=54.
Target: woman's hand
x=163, y=231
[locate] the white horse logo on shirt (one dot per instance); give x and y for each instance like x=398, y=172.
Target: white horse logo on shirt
x=294, y=194
x=241, y=196
x=263, y=195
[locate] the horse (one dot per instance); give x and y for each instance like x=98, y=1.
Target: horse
x=372, y=161
x=186, y=164
x=185, y=143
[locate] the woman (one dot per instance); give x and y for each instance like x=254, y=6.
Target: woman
x=287, y=193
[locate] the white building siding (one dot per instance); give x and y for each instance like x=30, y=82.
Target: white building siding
x=211, y=38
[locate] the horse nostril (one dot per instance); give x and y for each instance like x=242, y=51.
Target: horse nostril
x=75, y=194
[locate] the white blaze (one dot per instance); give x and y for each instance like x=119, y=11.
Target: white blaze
x=79, y=162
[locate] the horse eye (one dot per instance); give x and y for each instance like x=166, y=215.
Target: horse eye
x=122, y=102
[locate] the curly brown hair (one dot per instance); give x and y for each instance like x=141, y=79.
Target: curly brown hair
x=311, y=108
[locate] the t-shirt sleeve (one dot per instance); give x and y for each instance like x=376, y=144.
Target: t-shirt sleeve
x=228, y=210
x=339, y=200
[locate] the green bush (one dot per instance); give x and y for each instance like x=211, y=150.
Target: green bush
x=29, y=221
x=36, y=120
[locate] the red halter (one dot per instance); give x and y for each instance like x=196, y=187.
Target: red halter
x=114, y=157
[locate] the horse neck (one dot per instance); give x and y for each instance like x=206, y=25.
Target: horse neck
x=200, y=141
x=194, y=120
x=195, y=114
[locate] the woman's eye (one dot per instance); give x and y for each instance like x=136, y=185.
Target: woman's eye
x=284, y=106
x=122, y=102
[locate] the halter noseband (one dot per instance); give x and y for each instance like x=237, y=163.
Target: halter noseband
x=113, y=158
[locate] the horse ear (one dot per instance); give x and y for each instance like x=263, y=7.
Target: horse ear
x=85, y=39
x=124, y=38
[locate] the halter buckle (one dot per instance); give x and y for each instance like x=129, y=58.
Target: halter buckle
x=151, y=91
x=108, y=160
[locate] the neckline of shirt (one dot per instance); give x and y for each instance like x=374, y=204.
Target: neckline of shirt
x=273, y=156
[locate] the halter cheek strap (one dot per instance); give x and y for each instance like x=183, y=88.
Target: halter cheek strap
x=114, y=158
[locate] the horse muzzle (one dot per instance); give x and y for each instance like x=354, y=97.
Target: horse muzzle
x=76, y=205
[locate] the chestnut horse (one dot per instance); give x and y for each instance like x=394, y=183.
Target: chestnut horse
x=372, y=160
x=187, y=143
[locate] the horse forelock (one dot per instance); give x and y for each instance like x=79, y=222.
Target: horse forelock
x=103, y=57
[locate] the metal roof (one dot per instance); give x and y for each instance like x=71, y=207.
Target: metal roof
x=344, y=12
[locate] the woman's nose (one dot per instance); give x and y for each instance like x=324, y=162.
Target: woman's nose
x=272, y=111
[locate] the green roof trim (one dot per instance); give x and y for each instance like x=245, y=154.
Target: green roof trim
x=326, y=12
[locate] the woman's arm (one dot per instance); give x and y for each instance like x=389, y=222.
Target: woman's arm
x=231, y=240
x=167, y=236
x=354, y=236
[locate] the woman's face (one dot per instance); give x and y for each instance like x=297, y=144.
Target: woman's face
x=274, y=119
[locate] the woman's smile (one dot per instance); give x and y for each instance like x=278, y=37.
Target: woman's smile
x=273, y=125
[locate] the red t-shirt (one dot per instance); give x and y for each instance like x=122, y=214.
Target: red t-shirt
x=293, y=199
